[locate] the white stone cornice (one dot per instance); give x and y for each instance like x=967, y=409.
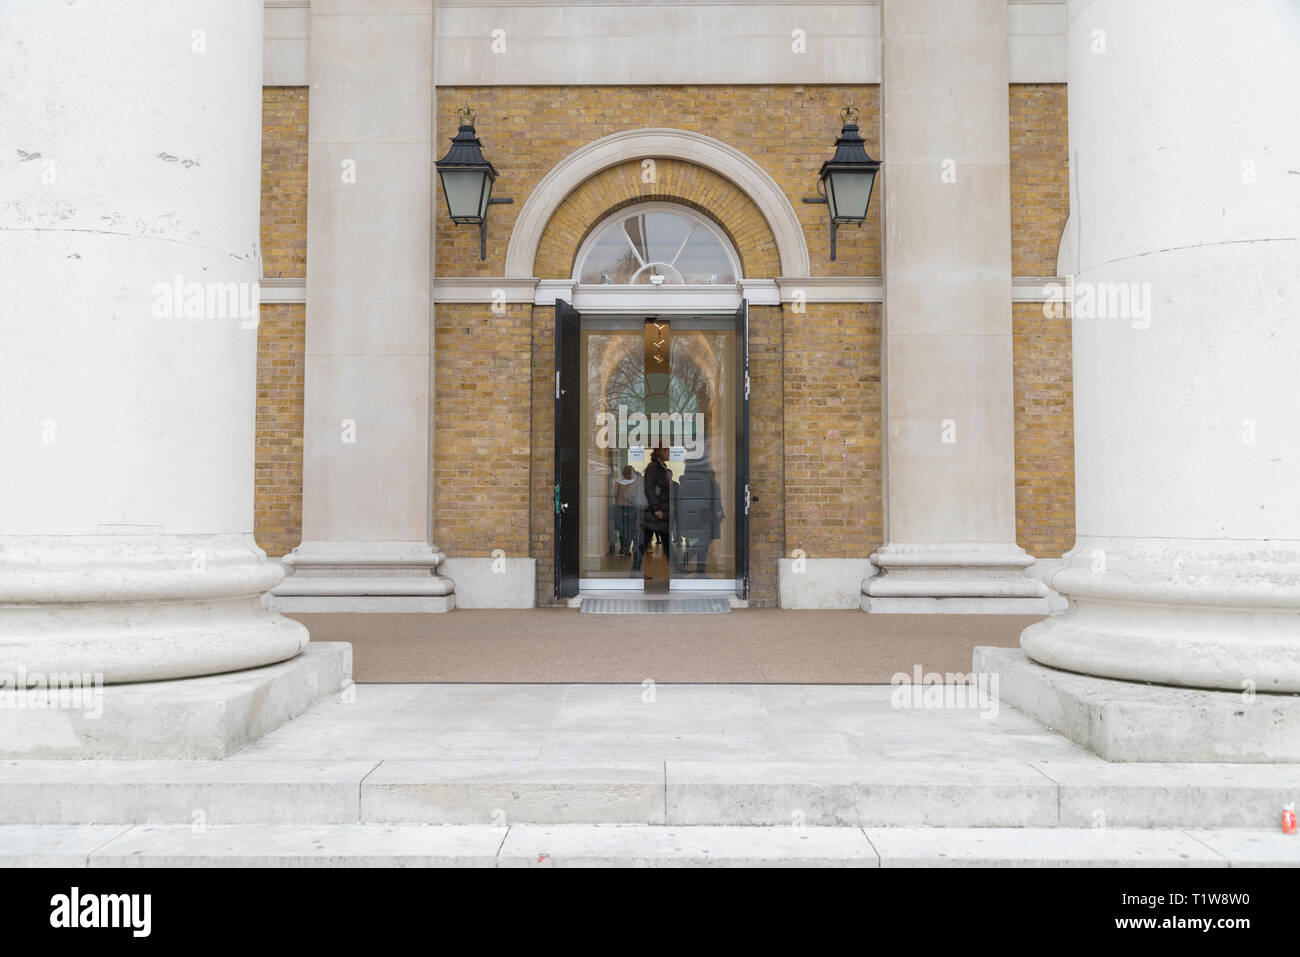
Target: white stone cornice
x=831, y=289
x=725, y=160
x=1039, y=289
x=550, y=290
x=640, y=300
x=483, y=289
x=759, y=292
x=278, y=290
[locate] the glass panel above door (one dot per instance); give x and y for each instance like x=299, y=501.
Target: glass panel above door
x=657, y=245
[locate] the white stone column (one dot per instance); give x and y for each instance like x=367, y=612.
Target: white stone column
x=1184, y=151
x=129, y=181
x=367, y=443
x=949, y=461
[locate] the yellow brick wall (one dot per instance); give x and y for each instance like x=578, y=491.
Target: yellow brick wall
x=284, y=181
x=1044, y=416
x=767, y=484
x=277, y=521
x=833, y=505
x=281, y=329
x=1040, y=176
x=1044, y=410
x=541, y=510
x=482, y=424
x=789, y=130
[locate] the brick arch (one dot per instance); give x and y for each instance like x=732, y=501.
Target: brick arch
x=676, y=181
x=729, y=173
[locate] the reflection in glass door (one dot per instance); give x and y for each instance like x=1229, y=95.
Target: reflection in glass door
x=671, y=388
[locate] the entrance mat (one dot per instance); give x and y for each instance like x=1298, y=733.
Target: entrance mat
x=748, y=646
x=655, y=606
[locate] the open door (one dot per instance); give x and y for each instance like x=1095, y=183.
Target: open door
x=742, y=450
x=568, y=399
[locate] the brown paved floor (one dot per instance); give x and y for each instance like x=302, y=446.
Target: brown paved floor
x=772, y=646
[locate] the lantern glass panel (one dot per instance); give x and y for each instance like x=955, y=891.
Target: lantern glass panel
x=466, y=192
x=848, y=192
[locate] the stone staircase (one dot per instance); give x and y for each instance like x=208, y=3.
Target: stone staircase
x=260, y=812
x=628, y=845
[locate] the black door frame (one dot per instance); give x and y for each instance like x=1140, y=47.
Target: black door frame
x=568, y=402
x=742, y=450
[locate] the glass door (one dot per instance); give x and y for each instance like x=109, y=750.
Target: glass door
x=659, y=446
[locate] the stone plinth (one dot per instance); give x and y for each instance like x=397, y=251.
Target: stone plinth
x=1131, y=721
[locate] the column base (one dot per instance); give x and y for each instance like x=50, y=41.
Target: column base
x=1128, y=721
x=361, y=604
x=493, y=582
x=191, y=719
x=116, y=609
x=367, y=577
x=1187, y=612
x=959, y=579
x=821, y=583
x=957, y=606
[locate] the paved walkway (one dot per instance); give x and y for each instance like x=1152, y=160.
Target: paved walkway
x=644, y=723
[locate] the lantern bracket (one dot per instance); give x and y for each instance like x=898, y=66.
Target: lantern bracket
x=824, y=202
x=482, y=227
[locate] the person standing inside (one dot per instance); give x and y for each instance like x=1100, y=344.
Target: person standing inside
x=699, y=514
x=629, y=496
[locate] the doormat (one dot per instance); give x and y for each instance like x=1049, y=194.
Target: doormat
x=655, y=606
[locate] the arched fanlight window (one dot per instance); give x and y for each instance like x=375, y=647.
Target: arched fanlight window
x=657, y=244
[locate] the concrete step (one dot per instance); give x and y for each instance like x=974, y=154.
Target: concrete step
x=376, y=845
x=981, y=793
x=986, y=792
x=181, y=792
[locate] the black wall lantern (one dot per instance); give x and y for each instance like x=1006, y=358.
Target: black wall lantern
x=467, y=179
x=846, y=179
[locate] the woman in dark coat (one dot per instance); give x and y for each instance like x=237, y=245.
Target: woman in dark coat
x=658, y=493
